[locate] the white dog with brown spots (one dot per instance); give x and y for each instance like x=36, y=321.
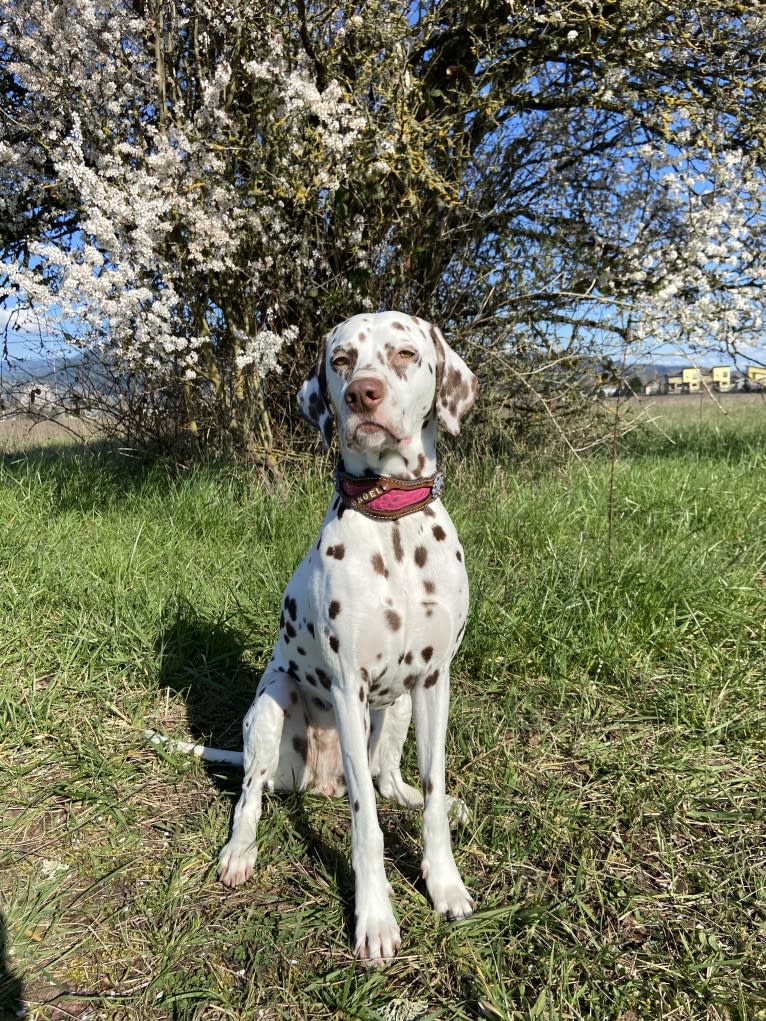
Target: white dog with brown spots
x=372, y=617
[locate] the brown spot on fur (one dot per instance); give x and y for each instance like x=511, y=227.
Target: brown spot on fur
x=430, y=587
x=459, y=555
x=421, y=555
x=397, y=540
x=427, y=652
x=439, y=533
x=324, y=680
x=431, y=679
x=393, y=620
x=334, y=609
x=455, y=383
x=409, y=681
x=378, y=565
x=338, y=552
x=334, y=643
x=301, y=745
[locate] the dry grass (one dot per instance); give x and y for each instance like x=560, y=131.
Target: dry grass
x=20, y=433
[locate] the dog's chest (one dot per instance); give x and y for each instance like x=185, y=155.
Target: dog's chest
x=379, y=603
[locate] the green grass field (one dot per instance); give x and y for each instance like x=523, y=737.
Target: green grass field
x=608, y=732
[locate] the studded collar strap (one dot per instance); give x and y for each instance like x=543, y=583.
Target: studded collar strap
x=385, y=498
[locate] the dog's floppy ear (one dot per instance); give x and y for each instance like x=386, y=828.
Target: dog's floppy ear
x=456, y=385
x=312, y=400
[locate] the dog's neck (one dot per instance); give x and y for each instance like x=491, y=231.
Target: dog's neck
x=413, y=460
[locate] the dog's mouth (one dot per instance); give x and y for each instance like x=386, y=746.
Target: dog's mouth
x=369, y=433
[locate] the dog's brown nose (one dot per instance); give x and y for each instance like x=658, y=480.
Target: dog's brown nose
x=364, y=394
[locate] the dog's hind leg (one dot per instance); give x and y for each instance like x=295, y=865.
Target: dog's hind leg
x=268, y=765
x=389, y=728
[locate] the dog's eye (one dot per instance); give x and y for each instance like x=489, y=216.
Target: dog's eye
x=406, y=355
x=339, y=361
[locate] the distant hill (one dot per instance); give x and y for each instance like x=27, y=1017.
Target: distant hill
x=51, y=370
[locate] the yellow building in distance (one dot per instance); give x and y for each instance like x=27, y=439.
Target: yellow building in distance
x=692, y=380
x=688, y=381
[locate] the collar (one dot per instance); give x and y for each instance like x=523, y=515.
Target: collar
x=384, y=498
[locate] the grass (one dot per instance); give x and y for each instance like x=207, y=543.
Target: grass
x=608, y=730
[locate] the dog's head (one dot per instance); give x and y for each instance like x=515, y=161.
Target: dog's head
x=382, y=379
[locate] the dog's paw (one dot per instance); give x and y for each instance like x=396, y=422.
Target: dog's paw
x=235, y=864
x=392, y=786
x=377, y=935
x=448, y=895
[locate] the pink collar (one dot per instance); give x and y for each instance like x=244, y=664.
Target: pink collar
x=385, y=498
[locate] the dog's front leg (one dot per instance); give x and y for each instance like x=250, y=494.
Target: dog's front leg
x=377, y=933
x=430, y=706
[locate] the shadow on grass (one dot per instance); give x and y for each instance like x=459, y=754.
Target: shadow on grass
x=11, y=1004
x=93, y=477
x=203, y=660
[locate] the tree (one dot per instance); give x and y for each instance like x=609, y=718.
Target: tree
x=196, y=191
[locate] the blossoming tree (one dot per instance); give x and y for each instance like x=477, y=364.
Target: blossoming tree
x=191, y=192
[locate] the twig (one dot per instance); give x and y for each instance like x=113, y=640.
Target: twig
x=613, y=457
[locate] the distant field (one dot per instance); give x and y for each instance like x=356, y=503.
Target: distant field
x=724, y=410
x=24, y=432
x=608, y=731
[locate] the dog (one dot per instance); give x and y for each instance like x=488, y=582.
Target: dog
x=371, y=618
